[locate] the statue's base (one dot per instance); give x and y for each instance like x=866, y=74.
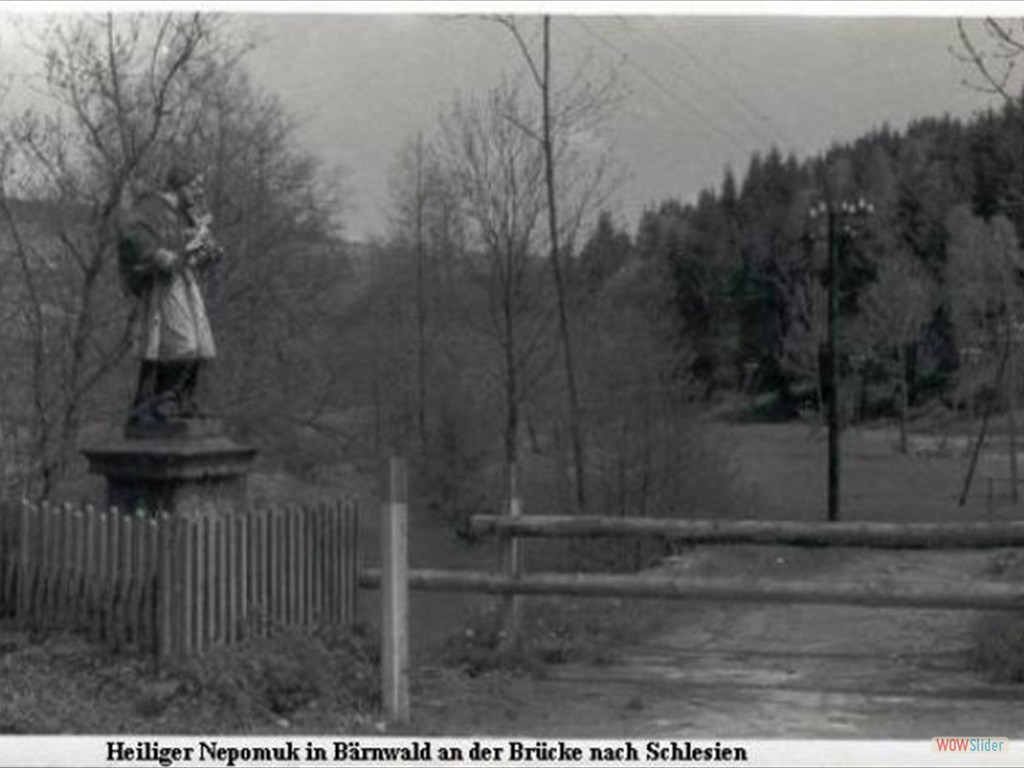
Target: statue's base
x=174, y=429
x=173, y=466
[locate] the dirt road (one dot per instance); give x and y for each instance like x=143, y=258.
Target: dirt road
x=749, y=670
x=761, y=671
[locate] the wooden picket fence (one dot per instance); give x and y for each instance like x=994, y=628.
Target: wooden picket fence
x=178, y=585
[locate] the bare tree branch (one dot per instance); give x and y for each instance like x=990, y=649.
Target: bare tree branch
x=509, y=23
x=997, y=83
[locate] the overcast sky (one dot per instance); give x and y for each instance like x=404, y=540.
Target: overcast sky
x=700, y=92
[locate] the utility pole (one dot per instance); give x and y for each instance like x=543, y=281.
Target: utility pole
x=833, y=366
x=839, y=219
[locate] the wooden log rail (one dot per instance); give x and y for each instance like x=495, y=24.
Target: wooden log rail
x=396, y=577
x=881, y=593
x=794, y=533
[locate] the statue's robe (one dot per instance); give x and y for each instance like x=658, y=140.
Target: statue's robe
x=171, y=324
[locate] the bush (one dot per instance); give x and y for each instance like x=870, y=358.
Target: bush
x=998, y=652
x=61, y=683
x=554, y=630
x=999, y=648
x=285, y=672
x=454, y=477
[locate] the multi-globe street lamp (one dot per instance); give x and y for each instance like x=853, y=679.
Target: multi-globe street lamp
x=841, y=220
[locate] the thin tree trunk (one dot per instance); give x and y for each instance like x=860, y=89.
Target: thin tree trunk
x=984, y=429
x=561, y=468
x=1011, y=404
x=575, y=425
x=40, y=428
x=421, y=350
x=511, y=383
x=819, y=391
x=904, y=400
x=377, y=394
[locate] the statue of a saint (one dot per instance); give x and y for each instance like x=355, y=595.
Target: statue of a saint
x=164, y=242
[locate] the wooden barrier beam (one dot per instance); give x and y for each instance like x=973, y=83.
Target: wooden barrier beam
x=790, y=532
x=881, y=593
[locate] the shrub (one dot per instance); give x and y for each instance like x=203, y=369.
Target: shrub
x=454, y=478
x=284, y=672
x=998, y=651
x=554, y=630
x=999, y=648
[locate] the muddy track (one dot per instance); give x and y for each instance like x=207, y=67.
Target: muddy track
x=775, y=671
x=823, y=671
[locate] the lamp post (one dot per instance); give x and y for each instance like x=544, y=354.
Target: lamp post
x=840, y=219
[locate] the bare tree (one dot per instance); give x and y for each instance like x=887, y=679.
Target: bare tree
x=806, y=332
x=894, y=312
x=499, y=175
x=561, y=114
x=129, y=94
x=986, y=305
x=275, y=296
x=421, y=224
x=122, y=87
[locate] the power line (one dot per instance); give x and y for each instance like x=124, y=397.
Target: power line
x=673, y=68
x=684, y=108
x=753, y=117
x=731, y=89
x=674, y=44
x=668, y=111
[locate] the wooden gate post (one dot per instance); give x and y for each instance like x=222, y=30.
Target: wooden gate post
x=513, y=559
x=395, y=594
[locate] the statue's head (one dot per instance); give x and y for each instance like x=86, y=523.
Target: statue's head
x=186, y=182
x=179, y=176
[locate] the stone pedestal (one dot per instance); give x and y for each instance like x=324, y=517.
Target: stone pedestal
x=173, y=466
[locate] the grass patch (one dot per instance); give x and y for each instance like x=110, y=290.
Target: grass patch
x=290, y=680
x=999, y=638
x=999, y=648
x=554, y=630
x=279, y=677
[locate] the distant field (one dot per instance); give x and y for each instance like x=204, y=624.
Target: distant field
x=784, y=471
